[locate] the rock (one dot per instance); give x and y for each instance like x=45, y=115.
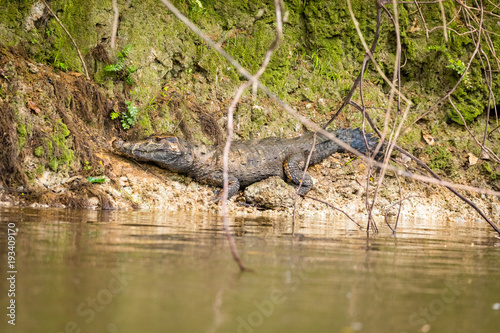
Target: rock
x=32, y=68
x=495, y=210
x=271, y=193
x=36, y=13
x=93, y=203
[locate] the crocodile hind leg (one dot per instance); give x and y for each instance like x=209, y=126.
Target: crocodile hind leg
x=294, y=168
x=217, y=179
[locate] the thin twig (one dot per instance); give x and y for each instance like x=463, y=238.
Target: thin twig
x=436, y=179
x=332, y=206
x=445, y=97
x=423, y=20
x=225, y=168
x=443, y=17
x=72, y=40
x=487, y=150
x=313, y=144
x=366, y=58
x=316, y=127
x=399, y=202
x=230, y=129
x=115, y=24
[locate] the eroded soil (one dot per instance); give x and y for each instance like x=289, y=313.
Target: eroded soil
x=56, y=131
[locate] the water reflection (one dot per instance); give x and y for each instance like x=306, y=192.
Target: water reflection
x=88, y=271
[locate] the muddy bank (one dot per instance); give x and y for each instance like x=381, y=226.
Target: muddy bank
x=56, y=126
x=70, y=141
x=338, y=181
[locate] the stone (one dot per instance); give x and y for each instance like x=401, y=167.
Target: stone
x=271, y=193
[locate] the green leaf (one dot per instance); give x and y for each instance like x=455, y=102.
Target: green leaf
x=100, y=179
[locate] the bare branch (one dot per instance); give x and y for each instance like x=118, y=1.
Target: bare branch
x=72, y=40
x=436, y=180
x=332, y=206
x=478, y=44
x=313, y=144
x=443, y=17
x=115, y=24
x=399, y=202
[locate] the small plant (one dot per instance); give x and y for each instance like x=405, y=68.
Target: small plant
x=120, y=70
x=49, y=32
x=94, y=180
x=196, y=7
x=457, y=65
x=322, y=67
x=129, y=118
x=87, y=166
x=114, y=115
x=58, y=64
x=62, y=66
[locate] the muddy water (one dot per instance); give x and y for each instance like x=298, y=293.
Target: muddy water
x=81, y=271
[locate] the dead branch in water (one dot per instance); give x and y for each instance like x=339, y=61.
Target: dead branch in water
x=395, y=135
x=333, y=207
x=313, y=143
x=278, y=5
x=400, y=204
x=72, y=40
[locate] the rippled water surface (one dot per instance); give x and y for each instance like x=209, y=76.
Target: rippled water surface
x=85, y=271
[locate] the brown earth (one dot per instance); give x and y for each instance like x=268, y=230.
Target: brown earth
x=69, y=118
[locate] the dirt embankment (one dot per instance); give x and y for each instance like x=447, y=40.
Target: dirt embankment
x=56, y=132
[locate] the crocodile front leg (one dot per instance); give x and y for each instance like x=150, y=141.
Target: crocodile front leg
x=294, y=168
x=217, y=179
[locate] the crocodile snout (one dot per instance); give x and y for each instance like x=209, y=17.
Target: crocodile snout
x=118, y=143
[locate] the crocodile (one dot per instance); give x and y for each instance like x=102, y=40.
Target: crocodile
x=249, y=161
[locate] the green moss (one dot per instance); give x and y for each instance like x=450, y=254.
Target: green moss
x=40, y=169
x=318, y=57
x=22, y=135
x=39, y=151
x=411, y=138
x=53, y=164
x=440, y=158
x=470, y=102
x=11, y=14
x=59, y=152
x=145, y=123
x=491, y=170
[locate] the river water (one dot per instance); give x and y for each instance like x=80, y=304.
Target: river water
x=87, y=271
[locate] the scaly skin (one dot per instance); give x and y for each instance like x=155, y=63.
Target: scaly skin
x=249, y=161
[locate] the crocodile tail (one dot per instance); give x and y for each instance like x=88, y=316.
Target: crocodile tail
x=354, y=138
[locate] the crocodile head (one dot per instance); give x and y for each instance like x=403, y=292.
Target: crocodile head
x=167, y=151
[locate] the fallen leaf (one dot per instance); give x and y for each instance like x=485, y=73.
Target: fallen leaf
x=415, y=26
x=428, y=138
x=76, y=74
x=33, y=106
x=472, y=159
